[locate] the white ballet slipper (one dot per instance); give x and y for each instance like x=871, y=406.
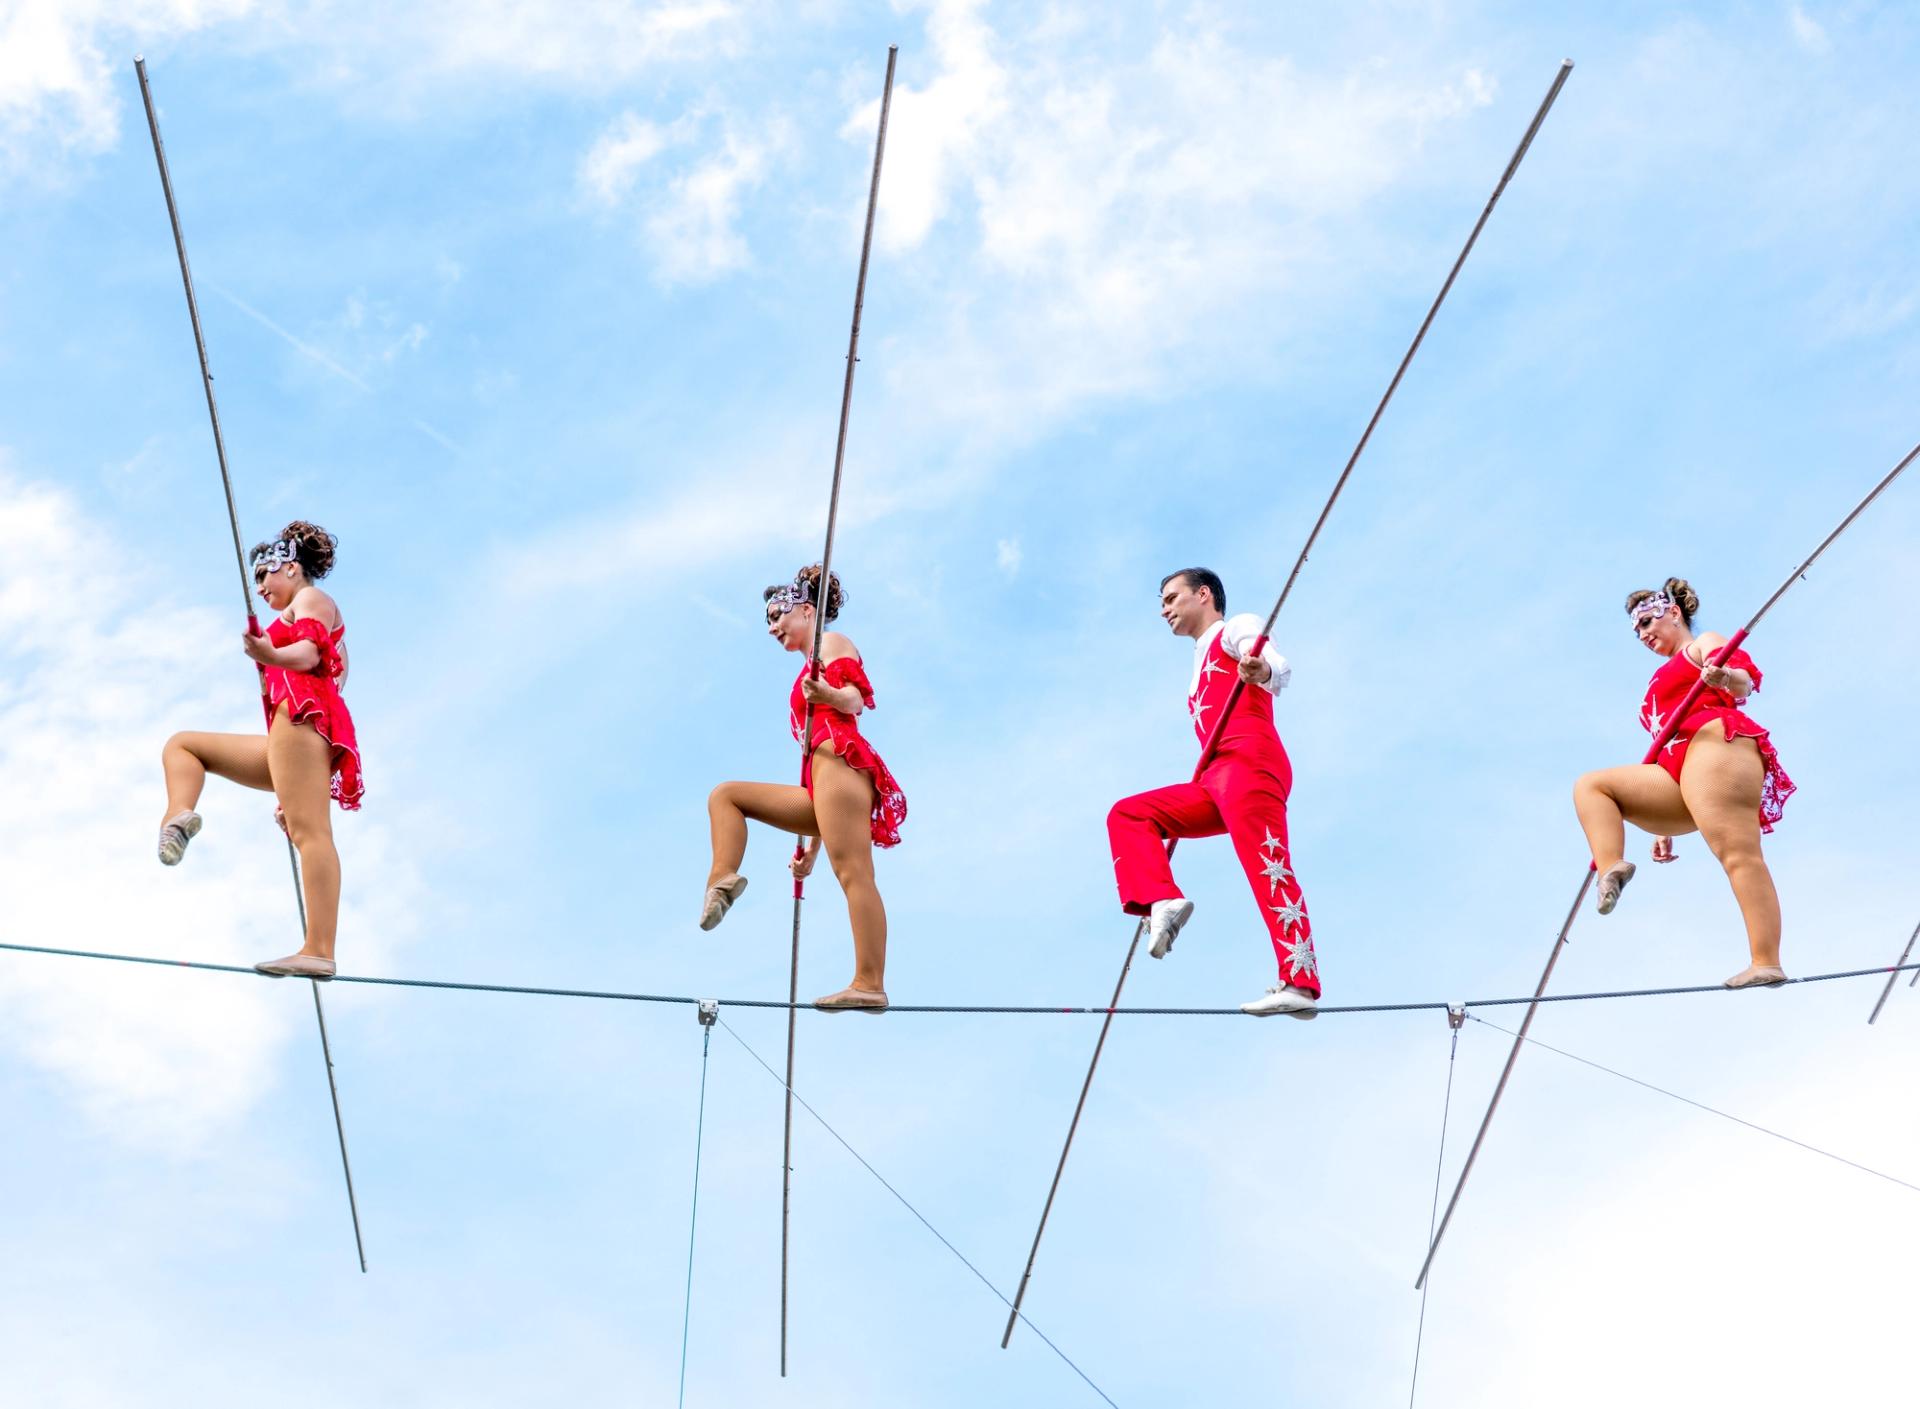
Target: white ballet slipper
x=1757, y=976
x=720, y=899
x=175, y=833
x=1613, y=880
x=297, y=966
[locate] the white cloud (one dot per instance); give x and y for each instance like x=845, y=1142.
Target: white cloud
x=1084, y=225
x=694, y=234
x=608, y=170
x=1006, y=556
x=1808, y=33
x=90, y=692
x=64, y=85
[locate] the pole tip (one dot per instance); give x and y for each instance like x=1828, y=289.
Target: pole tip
x=893, y=48
x=139, y=59
x=1565, y=64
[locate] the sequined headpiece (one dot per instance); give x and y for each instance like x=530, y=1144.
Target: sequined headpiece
x=271, y=557
x=1650, y=608
x=788, y=595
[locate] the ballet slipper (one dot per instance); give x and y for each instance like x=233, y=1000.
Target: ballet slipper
x=720, y=899
x=1757, y=976
x=1613, y=880
x=175, y=833
x=297, y=966
x=851, y=999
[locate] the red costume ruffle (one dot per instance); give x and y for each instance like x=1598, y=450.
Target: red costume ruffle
x=1669, y=688
x=312, y=697
x=843, y=731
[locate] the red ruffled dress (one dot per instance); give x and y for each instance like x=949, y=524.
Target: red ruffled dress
x=889, y=803
x=312, y=697
x=1669, y=688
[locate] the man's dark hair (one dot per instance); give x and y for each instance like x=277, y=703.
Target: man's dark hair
x=1202, y=577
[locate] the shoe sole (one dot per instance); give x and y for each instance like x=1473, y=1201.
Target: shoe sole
x=732, y=891
x=1304, y=1014
x=189, y=829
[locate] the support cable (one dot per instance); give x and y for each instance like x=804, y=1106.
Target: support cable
x=709, y=1013
x=1266, y=630
x=823, y=593
x=246, y=598
x=1702, y=1106
x=982, y=1009
x=1456, y=1016
x=1673, y=724
x=1894, y=975
x=925, y=1222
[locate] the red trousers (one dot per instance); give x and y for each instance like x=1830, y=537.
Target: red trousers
x=1241, y=793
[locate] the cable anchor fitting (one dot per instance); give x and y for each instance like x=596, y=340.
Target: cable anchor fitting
x=1456, y=1015
x=709, y=1011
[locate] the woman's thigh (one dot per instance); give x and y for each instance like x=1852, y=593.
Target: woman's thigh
x=782, y=805
x=843, y=801
x=1721, y=781
x=1648, y=797
x=241, y=758
x=302, y=766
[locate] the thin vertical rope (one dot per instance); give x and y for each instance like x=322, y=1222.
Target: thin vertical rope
x=693, y=1219
x=1233, y=694
x=822, y=594
x=1455, y=1016
x=246, y=599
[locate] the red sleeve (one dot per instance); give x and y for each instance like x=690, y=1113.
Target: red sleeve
x=311, y=629
x=1740, y=660
x=849, y=671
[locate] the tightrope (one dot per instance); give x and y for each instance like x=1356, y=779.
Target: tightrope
x=1010, y=1009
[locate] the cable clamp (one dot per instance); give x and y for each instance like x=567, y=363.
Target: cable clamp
x=709, y=1011
x=1456, y=1015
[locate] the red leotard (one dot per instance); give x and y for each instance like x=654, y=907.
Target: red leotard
x=1669, y=687
x=843, y=731
x=312, y=697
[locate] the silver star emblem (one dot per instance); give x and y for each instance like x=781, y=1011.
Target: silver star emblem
x=1292, y=913
x=1197, y=710
x=1655, y=721
x=1275, y=871
x=1272, y=843
x=1300, y=957
x=1212, y=667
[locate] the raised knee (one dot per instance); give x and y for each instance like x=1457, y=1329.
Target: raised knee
x=1123, y=813
x=176, y=743
x=721, y=796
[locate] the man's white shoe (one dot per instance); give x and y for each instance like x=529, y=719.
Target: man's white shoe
x=1284, y=998
x=1163, y=924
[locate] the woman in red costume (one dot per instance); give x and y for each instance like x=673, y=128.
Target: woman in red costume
x=846, y=797
x=308, y=753
x=1718, y=775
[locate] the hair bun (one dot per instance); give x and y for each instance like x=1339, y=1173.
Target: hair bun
x=836, y=596
x=316, y=547
x=1687, y=599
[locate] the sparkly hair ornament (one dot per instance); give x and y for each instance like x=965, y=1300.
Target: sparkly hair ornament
x=271, y=557
x=1650, y=608
x=789, y=595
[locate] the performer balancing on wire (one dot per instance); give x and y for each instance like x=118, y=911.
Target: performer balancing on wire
x=308, y=753
x=1718, y=775
x=847, y=797
x=1242, y=791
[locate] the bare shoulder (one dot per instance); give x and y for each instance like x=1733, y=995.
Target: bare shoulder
x=311, y=602
x=834, y=646
x=1709, y=641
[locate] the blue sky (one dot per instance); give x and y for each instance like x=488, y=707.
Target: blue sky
x=542, y=308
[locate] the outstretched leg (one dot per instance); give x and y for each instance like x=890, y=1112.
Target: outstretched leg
x=843, y=802
x=301, y=763
x=1721, y=780
x=1255, y=810
x=1138, y=829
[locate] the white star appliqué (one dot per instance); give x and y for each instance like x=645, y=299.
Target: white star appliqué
x=1275, y=871
x=1292, y=913
x=1197, y=711
x=1300, y=957
x=1655, y=721
x=1211, y=667
x=1272, y=843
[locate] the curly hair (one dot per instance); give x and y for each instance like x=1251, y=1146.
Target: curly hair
x=314, y=546
x=1684, y=597
x=806, y=582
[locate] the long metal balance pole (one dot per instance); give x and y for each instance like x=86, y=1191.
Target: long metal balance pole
x=1586, y=881
x=246, y=600
x=821, y=596
x=1233, y=696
